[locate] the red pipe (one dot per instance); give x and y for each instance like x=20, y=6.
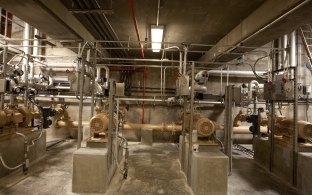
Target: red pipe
x=142, y=52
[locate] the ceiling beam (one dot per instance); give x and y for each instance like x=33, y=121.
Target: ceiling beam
x=269, y=21
x=30, y=12
x=61, y=12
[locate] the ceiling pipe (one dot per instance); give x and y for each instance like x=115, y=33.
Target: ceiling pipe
x=264, y=28
x=142, y=52
x=136, y=26
x=158, y=7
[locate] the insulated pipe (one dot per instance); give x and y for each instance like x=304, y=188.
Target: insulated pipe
x=237, y=73
x=156, y=127
x=293, y=46
x=180, y=62
x=284, y=52
x=26, y=36
x=93, y=81
x=35, y=53
x=185, y=59
x=245, y=130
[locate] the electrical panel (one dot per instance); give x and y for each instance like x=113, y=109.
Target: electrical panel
x=279, y=90
x=183, y=85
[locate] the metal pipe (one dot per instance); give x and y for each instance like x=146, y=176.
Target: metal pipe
x=274, y=21
x=228, y=121
x=185, y=59
x=81, y=81
x=191, y=121
x=35, y=53
x=284, y=53
x=183, y=132
x=134, y=65
x=26, y=43
x=4, y=61
x=158, y=8
x=110, y=123
x=293, y=52
x=93, y=81
x=6, y=23
x=136, y=26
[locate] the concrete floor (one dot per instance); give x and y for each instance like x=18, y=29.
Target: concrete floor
x=153, y=170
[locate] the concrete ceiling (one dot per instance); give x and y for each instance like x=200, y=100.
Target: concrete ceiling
x=200, y=21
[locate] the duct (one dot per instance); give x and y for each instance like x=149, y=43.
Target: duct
x=35, y=53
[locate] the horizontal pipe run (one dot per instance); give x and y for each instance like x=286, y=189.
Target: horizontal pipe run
x=127, y=41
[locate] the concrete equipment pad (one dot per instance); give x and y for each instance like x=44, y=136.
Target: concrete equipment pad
x=209, y=172
x=90, y=170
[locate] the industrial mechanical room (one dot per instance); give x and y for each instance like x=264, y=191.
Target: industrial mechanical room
x=119, y=97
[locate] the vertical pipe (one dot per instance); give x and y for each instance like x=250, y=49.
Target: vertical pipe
x=272, y=111
x=183, y=132
x=180, y=62
x=117, y=131
x=228, y=124
x=164, y=83
x=4, y=61
x=98, y=73
x=26, y=37
x=161, y=80
x=93, y=80
x=81, y=80
x=295, y=132
x=111, y=122
x=191, y=123
x=6, y=24
x=185, y=60
x=26, y=81
x=284, y=53
x=293, y=46
x=35, y=53
x=221, y=82
x=227, y=75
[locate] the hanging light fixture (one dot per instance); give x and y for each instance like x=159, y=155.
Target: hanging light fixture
x=157, y=33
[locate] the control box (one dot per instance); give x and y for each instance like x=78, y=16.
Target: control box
x=182, y=84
